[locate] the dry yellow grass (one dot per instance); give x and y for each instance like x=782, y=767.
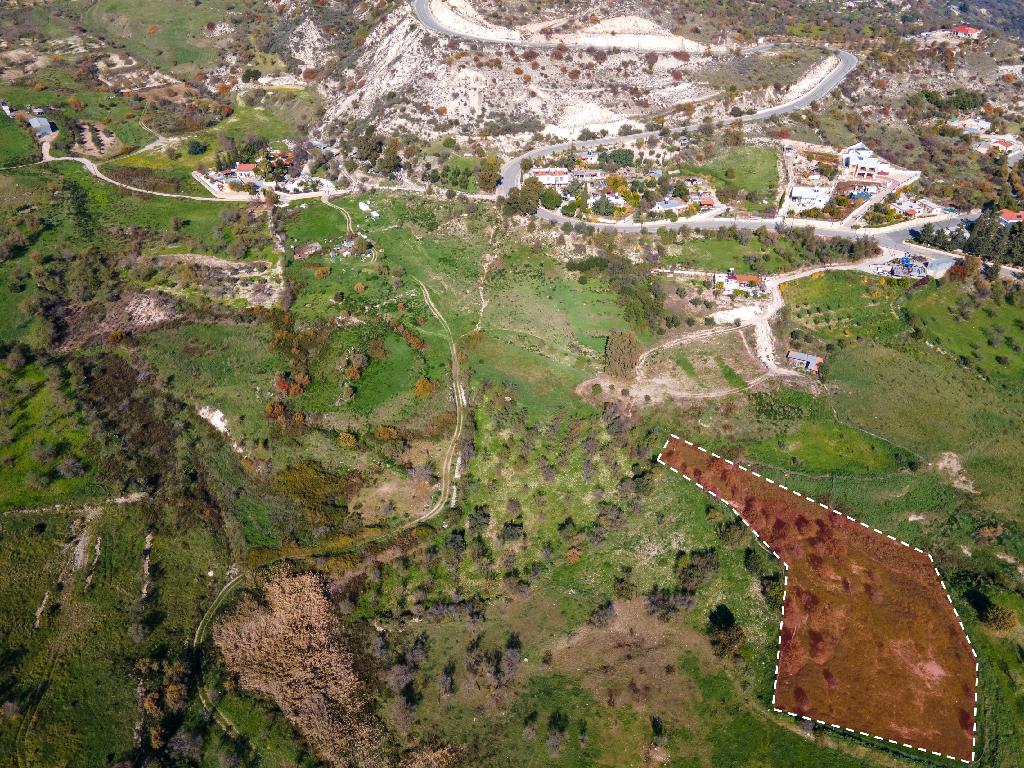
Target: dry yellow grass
x=288, y=650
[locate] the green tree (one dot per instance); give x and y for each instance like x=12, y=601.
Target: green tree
x=524, y=199
x=550, y=199
x=603, y=206
x=389, y=160
x=622, y=352
x=489, y=173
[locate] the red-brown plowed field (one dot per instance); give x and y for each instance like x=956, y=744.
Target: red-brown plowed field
x=870, y=641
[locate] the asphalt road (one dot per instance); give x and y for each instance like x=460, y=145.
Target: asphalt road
x=422, y=10
x=511, y=175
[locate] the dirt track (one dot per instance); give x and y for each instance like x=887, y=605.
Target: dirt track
x=870, y=641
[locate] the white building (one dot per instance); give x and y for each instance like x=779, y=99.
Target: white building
x=676, y=204
x=966, y=32
x=803, y=198
x=861, y=162
x=558, y=178
x=920, y=207
x=244, y=171
x=972, y=126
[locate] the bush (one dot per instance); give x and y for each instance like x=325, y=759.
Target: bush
x=550, y=199
x=998, y=617
x=622, y=353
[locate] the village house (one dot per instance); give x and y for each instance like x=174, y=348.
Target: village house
x=732, y=282
x=244, y=171
x=1006, y=143
x=912, y=208
x=965, y=32
x=673, y=204
x=860, y=162
x=41, y=127
x=857, y=190
x=1008, y=218
x=559, y=178
x=804, y=361
x=592, y=177
x=802, y=198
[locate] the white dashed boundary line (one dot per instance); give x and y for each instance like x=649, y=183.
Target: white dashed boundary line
x=785, y=566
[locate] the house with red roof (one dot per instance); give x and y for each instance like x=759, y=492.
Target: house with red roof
x=1008, y=218
x=966, y=32
x=244, y=170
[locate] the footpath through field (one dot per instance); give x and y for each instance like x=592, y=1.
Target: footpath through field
x=869, y=642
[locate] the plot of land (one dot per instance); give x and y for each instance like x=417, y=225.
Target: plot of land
x=870, y=641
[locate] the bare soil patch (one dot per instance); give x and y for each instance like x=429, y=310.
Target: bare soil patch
x=257, y=283
x=870, y=640
x=949, y=465
x=403, y=496
x=631, y=661
x=129, y=314
x=96, y=141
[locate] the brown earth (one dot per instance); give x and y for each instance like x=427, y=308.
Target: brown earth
x=870, y=641
x=631, y=660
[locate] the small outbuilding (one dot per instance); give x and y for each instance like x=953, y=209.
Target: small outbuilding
x=41, y=127
x=804, y=361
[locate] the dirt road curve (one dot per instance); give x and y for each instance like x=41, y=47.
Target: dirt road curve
x=763, y=336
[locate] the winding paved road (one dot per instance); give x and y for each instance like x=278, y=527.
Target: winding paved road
x=429, y=21
x=511, y=175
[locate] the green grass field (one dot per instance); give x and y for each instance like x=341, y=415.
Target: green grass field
x=750, y=172
x=846, y=305
x=201, y=227
x=15, y=288
x=16, y=144
x=822, y=447
x=227, y=367
x=41, y=431
x=76, y=674
x=714, y=254
x=159, y=33
x=732, y=378
x=682, y=360
x=984, y=335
